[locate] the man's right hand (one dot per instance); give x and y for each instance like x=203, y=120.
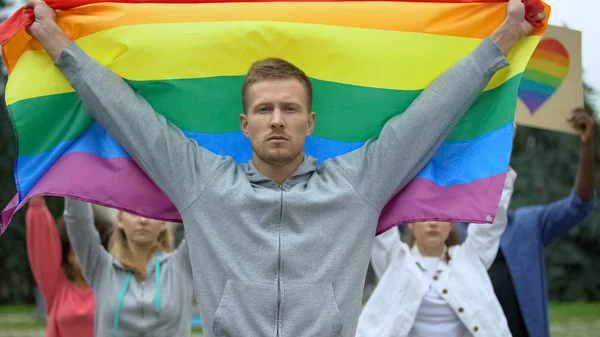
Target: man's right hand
x=514, y=27
x=45, y=30
x=43, y=15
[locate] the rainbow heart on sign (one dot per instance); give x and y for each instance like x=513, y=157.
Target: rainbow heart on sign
x=544, y=73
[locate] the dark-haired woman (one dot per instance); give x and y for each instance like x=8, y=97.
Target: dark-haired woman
x=70, y=302
x=431, y=285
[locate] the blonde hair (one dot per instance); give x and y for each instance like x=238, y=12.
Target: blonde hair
x=120, y=250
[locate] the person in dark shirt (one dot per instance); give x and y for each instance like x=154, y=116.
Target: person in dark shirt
x=518, y=272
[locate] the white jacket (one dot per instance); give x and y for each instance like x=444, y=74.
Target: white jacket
x=463, y=282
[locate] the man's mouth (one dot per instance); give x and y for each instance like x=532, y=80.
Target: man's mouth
x=277, y=138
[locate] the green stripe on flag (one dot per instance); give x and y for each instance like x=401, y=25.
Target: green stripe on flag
x=212, y=105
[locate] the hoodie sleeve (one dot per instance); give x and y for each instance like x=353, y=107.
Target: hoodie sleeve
x=176, y=164
x=182, y=258
x=44, y=250
x=93, y=258
x=382, y=167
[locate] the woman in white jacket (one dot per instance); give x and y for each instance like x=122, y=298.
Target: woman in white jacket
x=430, y=289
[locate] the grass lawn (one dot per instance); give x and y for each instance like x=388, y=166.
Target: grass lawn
x=19, y=320
x=560, y=312
x=566, y=320
x=16, y=309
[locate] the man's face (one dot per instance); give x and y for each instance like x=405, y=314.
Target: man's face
x=277, y=120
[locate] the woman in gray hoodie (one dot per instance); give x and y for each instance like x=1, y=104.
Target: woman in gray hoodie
x=142, y=287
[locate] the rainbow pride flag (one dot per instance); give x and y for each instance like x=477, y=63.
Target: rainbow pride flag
x=368, y=61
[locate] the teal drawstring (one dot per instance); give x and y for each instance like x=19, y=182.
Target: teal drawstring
x=120, y=304
x=124, y=292
x=157, y=295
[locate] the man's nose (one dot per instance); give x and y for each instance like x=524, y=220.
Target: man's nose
x=277, y=119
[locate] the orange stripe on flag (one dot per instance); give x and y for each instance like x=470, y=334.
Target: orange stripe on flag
x=430, y=18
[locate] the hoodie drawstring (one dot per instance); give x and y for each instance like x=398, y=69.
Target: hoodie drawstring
x=124, y=292
x=120, y=304
x=157, y=294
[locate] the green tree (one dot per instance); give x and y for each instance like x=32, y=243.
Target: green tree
x=16, y=281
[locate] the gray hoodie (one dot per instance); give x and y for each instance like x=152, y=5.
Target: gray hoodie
x=268, y=259
x=159, y=306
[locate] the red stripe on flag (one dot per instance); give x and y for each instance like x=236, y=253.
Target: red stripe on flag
x=24, y=17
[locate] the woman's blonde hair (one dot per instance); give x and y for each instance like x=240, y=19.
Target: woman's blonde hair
x=120, y=249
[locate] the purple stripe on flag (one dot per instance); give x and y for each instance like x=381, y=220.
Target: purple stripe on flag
x=474, y=202
x=91, y=178
x=94, y=179
x=8, y=212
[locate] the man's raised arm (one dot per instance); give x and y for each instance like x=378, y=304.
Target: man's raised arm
x=382, y=167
